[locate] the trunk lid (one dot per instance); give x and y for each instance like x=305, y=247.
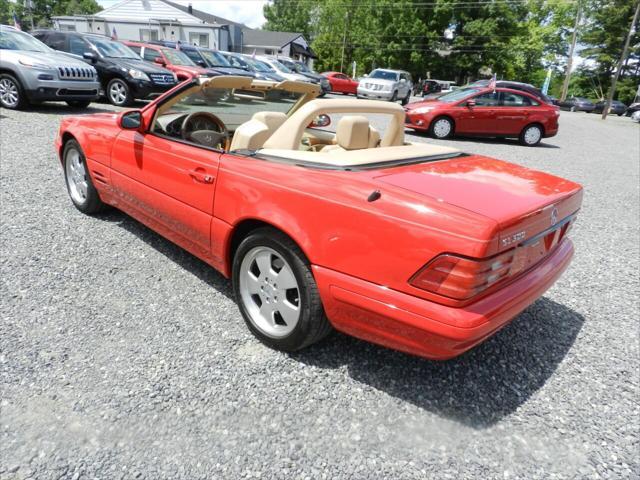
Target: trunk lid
x=524, y=202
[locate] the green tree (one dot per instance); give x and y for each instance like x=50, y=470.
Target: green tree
x=290, y=16
x=43, y=10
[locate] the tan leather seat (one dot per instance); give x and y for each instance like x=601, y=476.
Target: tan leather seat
x=354, y=133
x=251, y=135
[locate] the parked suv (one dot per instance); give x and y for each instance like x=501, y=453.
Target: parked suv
x=30, y=72
x=124, y=76
x=384, y=84
x=303, y=70
x=206, y=58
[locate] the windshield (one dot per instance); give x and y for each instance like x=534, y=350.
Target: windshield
x=281, y=66
x=11, y=40
x=177, y=57
x=215, y=59
x=258, y=66
x=458, y=95
x=233, y=106
x=384, y=75
x=111, y=49
x=301, y=67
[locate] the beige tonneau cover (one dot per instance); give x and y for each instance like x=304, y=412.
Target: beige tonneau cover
x=363, y=157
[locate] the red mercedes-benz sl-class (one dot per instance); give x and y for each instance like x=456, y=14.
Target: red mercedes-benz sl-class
x=417, y=247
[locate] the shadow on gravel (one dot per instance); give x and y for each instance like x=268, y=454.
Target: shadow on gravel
x=176, y=254
x=477, y=389
x=488, y=140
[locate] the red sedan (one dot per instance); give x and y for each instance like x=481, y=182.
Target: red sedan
x=417, y=247
x=171, y=59
x=340, y=83
x=483, y=111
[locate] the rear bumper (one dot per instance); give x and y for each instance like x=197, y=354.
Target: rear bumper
x=427, y=329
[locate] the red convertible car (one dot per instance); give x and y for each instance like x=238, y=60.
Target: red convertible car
x=485, y=111
x=340, y=83
x=417, y=247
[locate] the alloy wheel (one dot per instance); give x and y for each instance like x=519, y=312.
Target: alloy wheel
x=76, y=176
x=442, y=128
x=270, y=292
x=532, y=135
x=117, y=93
x=9, y=93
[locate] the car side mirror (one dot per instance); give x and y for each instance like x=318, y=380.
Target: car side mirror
x=201, y=63
x=322, y=120
x=403, y=80
x=131, y=120
x=471, y=103
x=92, y=57
x=159, y=61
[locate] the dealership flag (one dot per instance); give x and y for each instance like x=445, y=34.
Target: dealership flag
x=114, y=35
x=16, y=21
x=492, y=83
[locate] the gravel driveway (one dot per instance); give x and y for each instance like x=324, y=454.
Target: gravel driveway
x=122, y=356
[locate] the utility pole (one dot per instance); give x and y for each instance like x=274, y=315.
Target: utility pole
x=614, y=80
x=567, y=74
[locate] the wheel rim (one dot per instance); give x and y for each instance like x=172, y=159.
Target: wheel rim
x=76, y=176
x=532, y=135
x=442, y=128
x=269, y=292
x=8, y=92
x=118, y=92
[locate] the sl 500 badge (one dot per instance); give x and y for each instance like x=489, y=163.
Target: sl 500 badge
x=515, y=238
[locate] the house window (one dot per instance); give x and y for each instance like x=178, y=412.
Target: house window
x=268, y=51
x=67, y=28
x=147, y=34
x=199, y=39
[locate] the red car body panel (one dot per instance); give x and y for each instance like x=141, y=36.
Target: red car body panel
x=363, y=254
x=497, y=120
x=341, y=83
x=183, y=72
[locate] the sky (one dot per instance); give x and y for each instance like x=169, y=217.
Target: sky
x=248, y=12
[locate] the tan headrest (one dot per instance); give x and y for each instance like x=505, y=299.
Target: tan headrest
x=353, y=132
x=272, y=120
x=374, y=137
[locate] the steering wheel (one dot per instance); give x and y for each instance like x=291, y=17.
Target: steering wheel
x=197, y=128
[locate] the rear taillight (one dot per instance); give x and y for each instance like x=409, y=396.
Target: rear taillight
x=462, y=278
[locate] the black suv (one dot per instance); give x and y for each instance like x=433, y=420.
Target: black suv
x=123, y=75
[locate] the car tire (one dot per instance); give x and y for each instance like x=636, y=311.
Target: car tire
x=406, y=99
x=78, y=180
x=12, y=94
x=78, y=103
x=531, y=135
x=394, y=97
x=118, y=93
x=441, y=128
x=288, y=317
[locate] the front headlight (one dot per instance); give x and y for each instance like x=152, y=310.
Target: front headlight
x=422, y=110
x=27, y=62
x=138, y=74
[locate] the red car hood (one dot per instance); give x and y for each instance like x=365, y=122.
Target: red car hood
x=517, y=198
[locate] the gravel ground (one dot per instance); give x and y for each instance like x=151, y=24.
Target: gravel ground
x=122, y=356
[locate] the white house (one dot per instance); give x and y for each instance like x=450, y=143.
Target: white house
x=151, y=20
x=145, y=20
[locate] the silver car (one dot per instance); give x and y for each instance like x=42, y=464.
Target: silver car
x=383, y=84
x=31, y=72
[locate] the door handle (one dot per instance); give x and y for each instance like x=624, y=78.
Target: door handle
x=201, y=175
